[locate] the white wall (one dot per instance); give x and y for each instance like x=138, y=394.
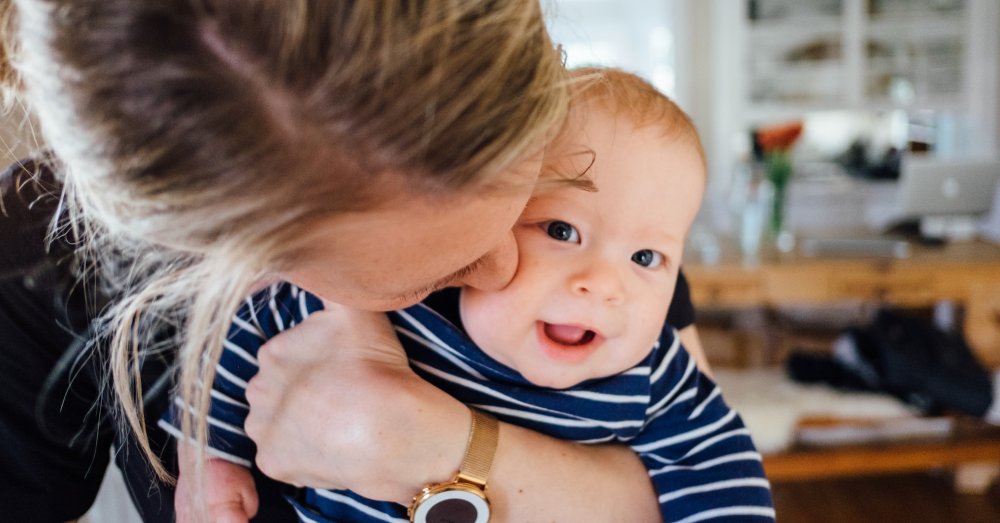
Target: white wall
x=113, y=504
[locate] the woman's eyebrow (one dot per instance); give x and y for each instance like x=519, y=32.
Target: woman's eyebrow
x=451, y=278
x=463, y=272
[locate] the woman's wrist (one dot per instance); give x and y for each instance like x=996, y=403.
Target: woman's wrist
x=437, y=432
x=519, y=488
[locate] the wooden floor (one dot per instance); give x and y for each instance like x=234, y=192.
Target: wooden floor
x=910, y=498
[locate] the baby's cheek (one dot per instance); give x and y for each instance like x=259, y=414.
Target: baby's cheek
x=483, y=315
x=648, y=323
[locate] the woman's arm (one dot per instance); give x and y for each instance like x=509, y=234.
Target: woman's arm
x=692, y=342
x=539, y=478
x=335, y=405
x=682, y=316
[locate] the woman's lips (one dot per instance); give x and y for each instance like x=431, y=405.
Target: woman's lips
x=567, y=343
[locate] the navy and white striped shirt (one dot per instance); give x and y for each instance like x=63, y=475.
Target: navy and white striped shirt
x=698, y=452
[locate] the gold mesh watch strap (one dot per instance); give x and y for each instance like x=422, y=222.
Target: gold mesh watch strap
x=479, y=451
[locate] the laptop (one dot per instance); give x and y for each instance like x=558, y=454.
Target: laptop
x=944, y=198
x=952, y=187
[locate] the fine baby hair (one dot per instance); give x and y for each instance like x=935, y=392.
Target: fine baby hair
x=627, y=94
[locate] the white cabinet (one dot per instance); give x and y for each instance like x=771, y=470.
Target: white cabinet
x=927, y=66
x=807, y=55
x=795, y=54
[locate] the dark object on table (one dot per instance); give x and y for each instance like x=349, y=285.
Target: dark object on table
x=809, y=367
x=858, y=162
x=906, y=357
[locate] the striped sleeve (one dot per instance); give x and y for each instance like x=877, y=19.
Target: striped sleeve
x=697, y=450
x=260, y=317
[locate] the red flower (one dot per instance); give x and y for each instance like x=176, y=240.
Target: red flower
x=777, y=138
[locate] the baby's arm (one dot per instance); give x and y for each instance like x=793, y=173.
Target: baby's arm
x=697, y=450
x=230, y=493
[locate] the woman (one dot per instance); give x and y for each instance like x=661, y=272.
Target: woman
x=369, y=152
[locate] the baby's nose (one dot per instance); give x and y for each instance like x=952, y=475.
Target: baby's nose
x=599, y=282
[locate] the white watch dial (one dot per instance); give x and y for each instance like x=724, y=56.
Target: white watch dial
x=453, y=506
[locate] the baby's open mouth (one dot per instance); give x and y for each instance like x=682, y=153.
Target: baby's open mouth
x=571, y=335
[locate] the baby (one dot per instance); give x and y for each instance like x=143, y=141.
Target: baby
x=576, y=346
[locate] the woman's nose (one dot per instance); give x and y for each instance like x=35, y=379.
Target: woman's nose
x=496, y=268
x=599, y=281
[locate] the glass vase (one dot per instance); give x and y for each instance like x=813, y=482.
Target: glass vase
x=753, y=201
x=779, y=174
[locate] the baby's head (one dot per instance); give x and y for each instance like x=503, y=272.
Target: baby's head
x=597, y=269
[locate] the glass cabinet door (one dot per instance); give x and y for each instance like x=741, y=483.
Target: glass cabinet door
x=915, y=53
x=796, y=53
x=814, y=54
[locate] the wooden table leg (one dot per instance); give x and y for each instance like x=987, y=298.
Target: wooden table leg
x=982, y=322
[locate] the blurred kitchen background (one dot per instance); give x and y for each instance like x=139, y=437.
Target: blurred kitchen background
x=871, y=80
x=889, y=223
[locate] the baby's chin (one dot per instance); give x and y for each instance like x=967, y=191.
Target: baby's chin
x=549, y=381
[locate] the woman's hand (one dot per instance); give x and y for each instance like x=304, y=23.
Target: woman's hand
x=335, y=405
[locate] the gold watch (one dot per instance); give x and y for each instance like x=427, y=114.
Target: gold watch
x=463, y=499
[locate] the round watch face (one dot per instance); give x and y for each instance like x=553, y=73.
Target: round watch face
x=456, y=503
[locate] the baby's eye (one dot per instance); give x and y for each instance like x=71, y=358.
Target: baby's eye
x=562, y=231
x=647, y=258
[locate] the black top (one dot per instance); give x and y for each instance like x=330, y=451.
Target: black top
x=53, y=441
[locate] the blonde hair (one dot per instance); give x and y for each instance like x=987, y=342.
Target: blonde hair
x=627, y=94
x=622, y=94
x=191, y=133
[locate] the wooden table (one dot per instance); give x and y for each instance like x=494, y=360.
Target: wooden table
x=967, y=274
x=972, y=445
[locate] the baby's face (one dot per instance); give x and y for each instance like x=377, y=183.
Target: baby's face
x=597, y=269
